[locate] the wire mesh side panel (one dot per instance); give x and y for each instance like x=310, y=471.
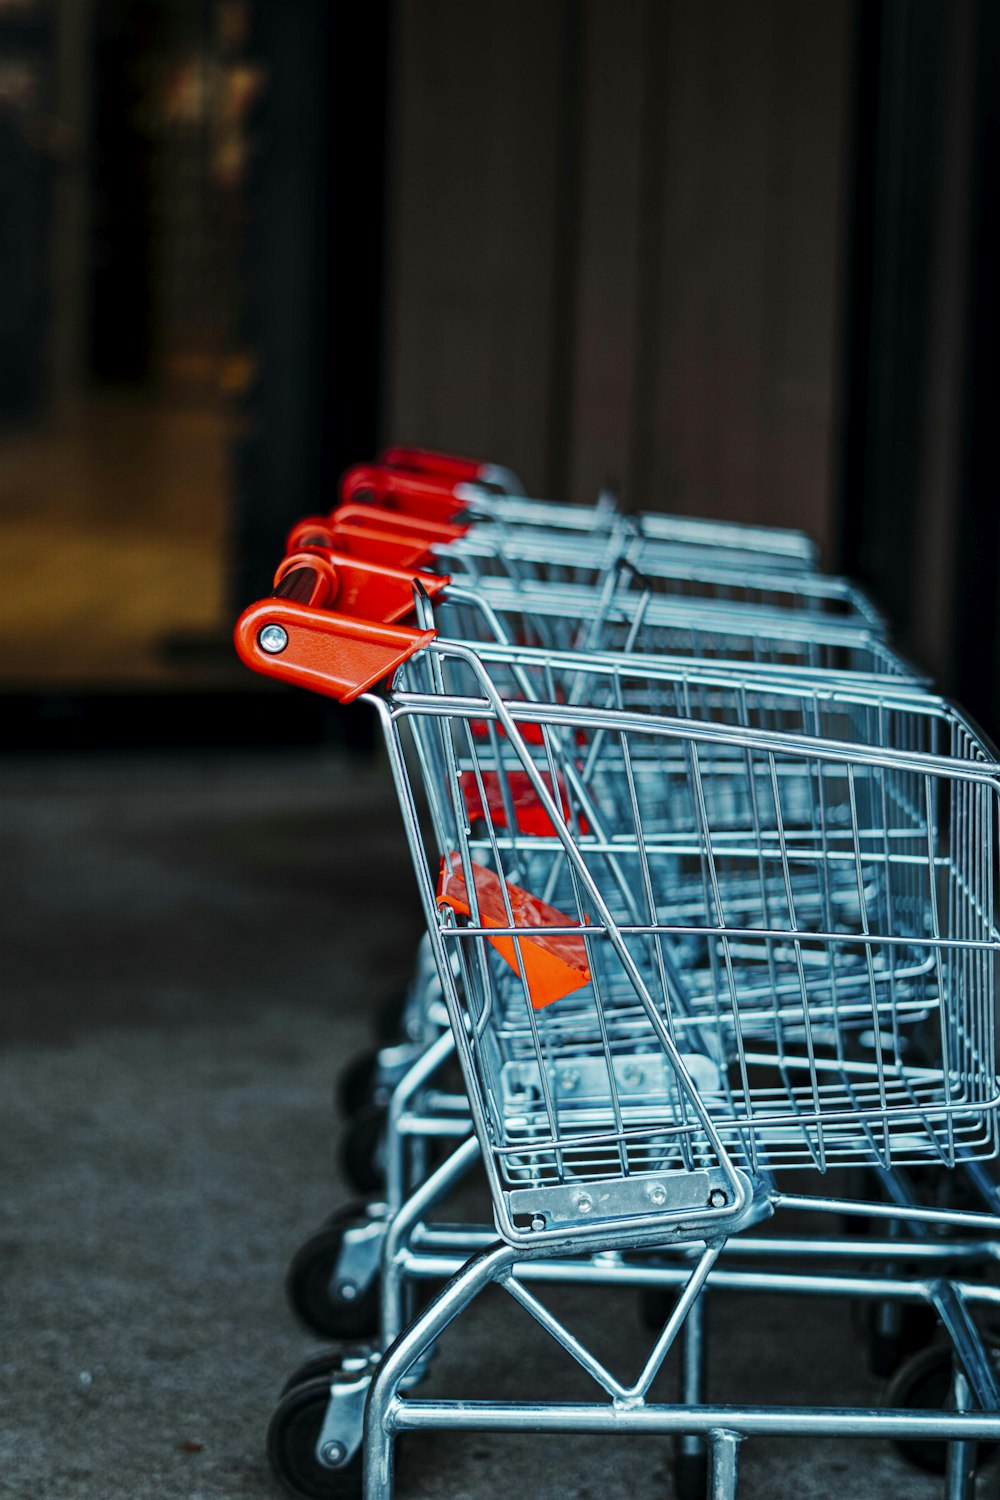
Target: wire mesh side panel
x=554, y=558
x=799, y=934
x=582, y=620
x=507, y=515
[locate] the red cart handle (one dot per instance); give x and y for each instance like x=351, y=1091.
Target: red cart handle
x=453, y=468
x=426, y=496
x=401, y=541
x=296, y=637
x=429, y=461
x=365, y=531
x=359, y=587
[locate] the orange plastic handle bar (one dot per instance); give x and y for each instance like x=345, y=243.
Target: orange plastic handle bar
x=429, y=461
x=554, y=965
x=297, y=638
x=429, y=497
x=397, y=549
x=366, y=531
x=306, y=578
x=359, y=587
x=429, y=529
x=394, y=548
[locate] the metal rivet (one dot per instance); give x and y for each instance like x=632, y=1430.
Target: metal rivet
x=333, y=1454
x=346, y=1291
x=717, y=1198
x=273, y=639
x=633, y=1077
x=657, y=1194
x=537, y=1223
x=583, y=1203
x=569, y=1079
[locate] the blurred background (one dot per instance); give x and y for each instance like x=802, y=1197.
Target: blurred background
x=736, y=260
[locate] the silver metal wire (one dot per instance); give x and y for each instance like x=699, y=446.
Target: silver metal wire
x=833, y=887
x=632, y=620
x=561, y=558
x=501, y=516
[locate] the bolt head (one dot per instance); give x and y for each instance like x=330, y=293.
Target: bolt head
x=717, y=1198
x=583, y=1203
x=273, y=639
x=333, y=1454
x=657, y=1194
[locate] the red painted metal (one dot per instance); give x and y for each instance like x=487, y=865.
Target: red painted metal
x=554, y=964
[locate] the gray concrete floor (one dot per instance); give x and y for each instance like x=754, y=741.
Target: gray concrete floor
x=191, y=948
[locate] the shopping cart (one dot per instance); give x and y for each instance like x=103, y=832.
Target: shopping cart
x=401, y=517
x=344, y=1256
x=617, y=617
x=586, y=1157
x=614, y=619
x=892, y=1329
x=404, y=512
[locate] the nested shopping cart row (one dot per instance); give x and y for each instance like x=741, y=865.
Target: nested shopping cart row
x=708, y=883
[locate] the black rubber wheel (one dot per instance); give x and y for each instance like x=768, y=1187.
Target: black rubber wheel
x=691, y=1475
x=924, y=1383
x=916, y=1325
x=356, y=1084
x=354, y=1211
x=325, y=1365
x=316, y=1303
x=361, y=1149
x=291, y=1448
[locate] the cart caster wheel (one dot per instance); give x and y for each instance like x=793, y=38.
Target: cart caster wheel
x=887, y=1349
x=291, y=1448
x=356, y=1084
x=355, y=1211
x=348, y=1362
x=924, y=1383
x=315, y=1301
x=362, y=1148
x=346, y=1359
x=691, y=1475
